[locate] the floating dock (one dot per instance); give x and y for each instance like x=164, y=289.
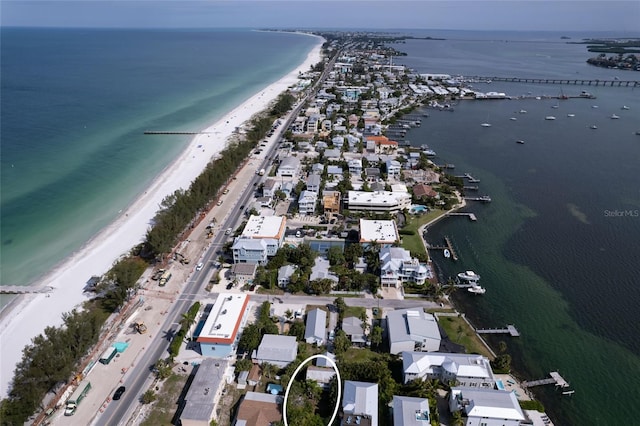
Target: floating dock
x=471, y=187
x=510, y=330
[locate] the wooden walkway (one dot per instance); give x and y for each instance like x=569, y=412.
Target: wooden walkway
x=555, y=378
x=510, y=329
x=472, y=217
x=447, y=246
x=565, y=81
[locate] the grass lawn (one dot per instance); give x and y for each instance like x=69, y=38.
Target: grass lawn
x=461, y=333
x=164, y=408
x=413, y=243
x=353, y=311
x=359, y=354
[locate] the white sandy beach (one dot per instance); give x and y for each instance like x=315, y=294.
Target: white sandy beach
x=31, y=314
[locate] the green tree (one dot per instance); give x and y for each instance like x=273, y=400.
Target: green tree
x=297, y=329
x=376, y=336
x=148, y=397
x=243, y=364
x=250, y=338
x=341, y=342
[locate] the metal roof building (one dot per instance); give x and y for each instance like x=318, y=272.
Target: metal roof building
x=277, y=350
x=412, y=330
x=204, y=392
x=316, y=328
x=408, y=411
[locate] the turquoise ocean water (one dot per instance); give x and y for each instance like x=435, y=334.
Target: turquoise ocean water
x=75, y=103
x=557, y=248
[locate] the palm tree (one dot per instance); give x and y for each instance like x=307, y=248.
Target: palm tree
x=269, y=370
x=187, y=320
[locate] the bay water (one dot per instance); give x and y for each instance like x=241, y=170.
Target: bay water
x=557, y=248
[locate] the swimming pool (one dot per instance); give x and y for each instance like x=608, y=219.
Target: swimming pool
x=417, y=208
x=499, y=385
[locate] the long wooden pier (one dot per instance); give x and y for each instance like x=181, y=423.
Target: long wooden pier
x=555, y=378
x=483, y=199
x=565, y=81
x=24, y=289
x=171, y=132
x=510, y=330
x=469, y=177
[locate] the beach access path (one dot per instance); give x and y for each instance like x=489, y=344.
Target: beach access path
x=32, y=313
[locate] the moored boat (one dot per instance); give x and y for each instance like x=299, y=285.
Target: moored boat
x=486, y=125
x=469, y=276
x=614, y=117
x=520, y=141
x=447, y=253
x=476, y=289
x=549, y=117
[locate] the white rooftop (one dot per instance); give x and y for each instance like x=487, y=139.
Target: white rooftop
x=489, y=403
x=381, y=231
x=224, y=318
x=265, y=227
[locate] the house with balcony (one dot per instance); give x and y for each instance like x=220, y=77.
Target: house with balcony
x=307, y=202
x=486, y=407
x=468, y=370
x=360, y=404
x=313, y=183
x=410, y=411
x=398, y=267
x=394, y=168
x=355, y=166
x=289, y=167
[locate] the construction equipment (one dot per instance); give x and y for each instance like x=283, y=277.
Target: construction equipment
x=140, y=327
x=182, y=258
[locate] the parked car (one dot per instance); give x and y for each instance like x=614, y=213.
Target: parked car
x=229, y=286
x=199, y=266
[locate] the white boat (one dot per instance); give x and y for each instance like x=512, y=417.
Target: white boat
x=555, y=106
x=447, y=253
x=469, y=276
x=522, y=111
x=593, y=126
x=594, y=106
x=486, y=125
x=549, y=117
x=624, y=107
x=513, y=119
x=614, y=117
x=476, y=289
x=520, y=141
x=571, y=115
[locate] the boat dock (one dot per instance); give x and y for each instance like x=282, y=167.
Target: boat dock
x=24, y=289
x=447, y=246
x=574, y=82
x=555, y=379
x=510, y=330
x=469, y=177
x=471, y=187
x=483, y=199
x=472, y=217
x=447, y=166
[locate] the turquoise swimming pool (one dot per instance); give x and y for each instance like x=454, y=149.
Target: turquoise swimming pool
x=499, y=385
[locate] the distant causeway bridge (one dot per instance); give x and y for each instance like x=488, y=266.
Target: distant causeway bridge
x=565, y=81
x=24, y=289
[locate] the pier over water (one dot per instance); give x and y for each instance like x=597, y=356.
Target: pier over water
x=574, y=82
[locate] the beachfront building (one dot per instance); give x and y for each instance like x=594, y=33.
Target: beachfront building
x=261, y=237
x=424, y=191
x=381, y=145
x=409, y=411
x=397, y=267
x=316, y=327
x=219, y=335
x=466, y=369
x=384, y=233
x=204, y=393
x=289, y=167
x=360, y=403
x=259, y=409
x=486, y=407
x=412, y=330
x=378, y=201
x=307, y=202
x=277, y=350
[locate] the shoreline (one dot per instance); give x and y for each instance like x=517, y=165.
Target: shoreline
x=28, y=315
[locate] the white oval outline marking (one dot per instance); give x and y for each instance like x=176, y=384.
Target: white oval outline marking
x=293, y=376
